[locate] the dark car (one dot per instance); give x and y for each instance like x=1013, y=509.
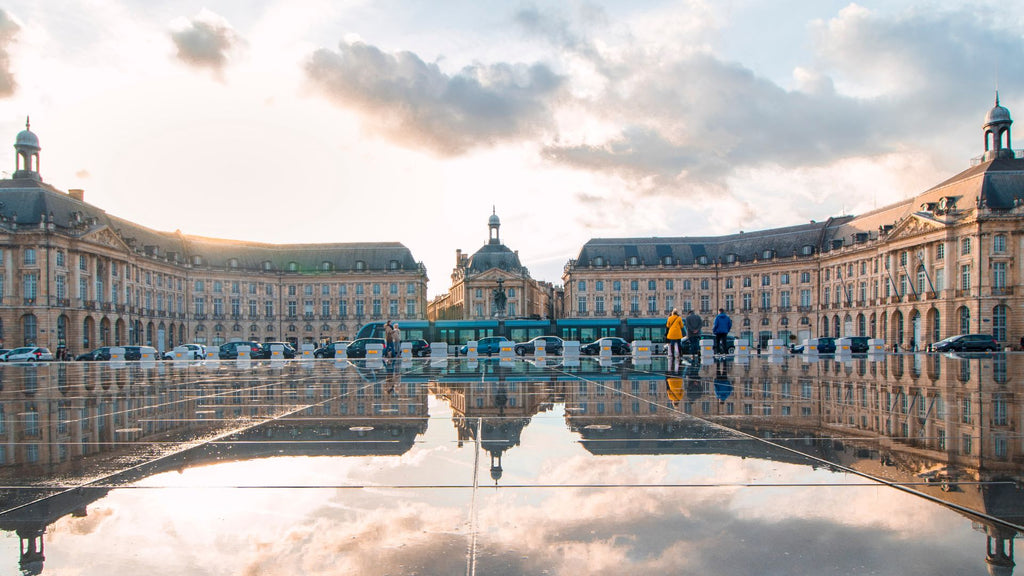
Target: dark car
x=552, y=345
x=859, y=344
x=327, y=350
x=136, y=352
x=266, y=352
x=967, y=343
x=357, y=349
x=825, y=346
x=420, y=348
x=97, y=355
x=489, y=345
x=619, y=346
x=229, y=351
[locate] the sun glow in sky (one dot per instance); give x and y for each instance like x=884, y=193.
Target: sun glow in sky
x=325, y=121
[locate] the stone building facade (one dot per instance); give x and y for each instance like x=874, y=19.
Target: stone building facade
x=478, y=280
x=941, y=263
x=73, y=276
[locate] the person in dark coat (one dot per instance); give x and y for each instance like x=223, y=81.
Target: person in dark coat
x=721, y=328
x=693, y=324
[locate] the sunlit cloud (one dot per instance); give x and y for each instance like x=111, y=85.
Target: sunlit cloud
x=205, y=41
x=8, y=31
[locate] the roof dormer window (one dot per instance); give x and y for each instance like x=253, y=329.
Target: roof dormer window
x=360, y=265
x=293, y=266
x=634, y=261
x=598, y=261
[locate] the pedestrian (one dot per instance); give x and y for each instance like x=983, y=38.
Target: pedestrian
x=721, y=328
x=674, y=333
x=396, y=341
x=693, y=325
x=389, y=334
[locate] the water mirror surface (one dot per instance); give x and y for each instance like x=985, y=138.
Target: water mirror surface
x=895, y=464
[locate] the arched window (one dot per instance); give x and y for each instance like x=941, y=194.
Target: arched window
x=806, y=250
x=360, y=265
x=897, y=320
x=293, y=266
x=233, y=263
x=267, y=265
x=667, y=260
x=633, y=261
x=703, y=260
x=835, y=324
x=767, y=254
x=862, y=325
x=393, y=265
x=965, y=319
x=598, y=261
x=824, y=326
x=730, y=258
x=326, y=266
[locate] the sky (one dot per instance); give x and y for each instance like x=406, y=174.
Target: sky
x=385, y=120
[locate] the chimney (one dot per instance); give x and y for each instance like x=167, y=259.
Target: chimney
x=77, y=194
x=458, y=256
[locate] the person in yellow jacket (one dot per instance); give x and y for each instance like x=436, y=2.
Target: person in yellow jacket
x=674, y=334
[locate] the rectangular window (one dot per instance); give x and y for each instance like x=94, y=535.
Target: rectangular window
x=999, y=275
x=805, y=277
x=393, y=307
x=705, y=303
x=805, y=298
x=343, y=308
x=218, y=286
x=376, y=307
x=410, y=289
x=730, y=302
x=784, y=278
x=392, y=289
x=634, y=304
x=617, y=286
x=670, y=285
x=599, y=305
x=62, y=290
x=940, y=250
x=826, y=296
x=687, y=285
x=766, y=300
x=268, y=308
x=748, y=301
x=581, y=286
x=652, y=304
x=83, y=264
x=634, y=285
x=410, y=308
x=617, y=304
x=965, y=277
x=965, y=246
x=200, y=304
x=293, y=308
x=30, y=287
x=83, y=288
x=253, y=308
x=940, y=278
x=581, y=304
x=766, y=280
x=652, y=284
x=728, y=283
x=218, y=305
x=236, y=307
x=598, y=286
x=784, y=298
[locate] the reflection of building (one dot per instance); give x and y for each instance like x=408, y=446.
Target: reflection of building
x=942, y=426
x=494, y=410
x=492, y=269
x=73, y=275
x=925, y=268
x=95, y=425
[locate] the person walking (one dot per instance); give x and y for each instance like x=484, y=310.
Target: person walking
x=693, y=324
x=396, y=341
x=389, y=334
x=674, y=324
x=721, y=328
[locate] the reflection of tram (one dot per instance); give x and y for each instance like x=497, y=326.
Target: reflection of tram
x=459, y=332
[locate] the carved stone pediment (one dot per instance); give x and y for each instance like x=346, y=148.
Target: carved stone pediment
x=105, y=237
x=918, y=223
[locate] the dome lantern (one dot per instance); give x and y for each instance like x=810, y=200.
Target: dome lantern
x=26, y=146
x=997, y=133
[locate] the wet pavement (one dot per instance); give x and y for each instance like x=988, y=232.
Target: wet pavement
x=896, y=464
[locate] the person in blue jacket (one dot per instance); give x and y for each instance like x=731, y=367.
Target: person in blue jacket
x=721, y=329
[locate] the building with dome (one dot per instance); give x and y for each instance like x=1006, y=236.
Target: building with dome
x=74, y=277
x=944, y=262
x=493, y=283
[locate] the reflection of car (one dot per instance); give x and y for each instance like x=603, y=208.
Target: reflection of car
x=489, y=345
x=357, y=349
x=266, y=353
x=327, y=350
x=619, y=346
x=28, y=354
x=859, y=344
x=825, y=346
x=192, y=352
x=229, y=351
x=552, y=345
x=98, y=354
x=967, y=343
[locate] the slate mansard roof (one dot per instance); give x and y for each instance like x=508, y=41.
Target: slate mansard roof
x=24, y=203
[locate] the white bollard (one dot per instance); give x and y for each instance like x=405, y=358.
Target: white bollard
x=707, y=346
x=438, y=349
x=604, y=349
x=843, y=347
x=212, y=353
x=742, y=347
x=472, y=349
x=307, y=351
x=571, y=349
x=507, y=350
x=117, y=354
x=244, y=353
x=540, y=351
x=641, y=349
x=811, y=346
x=375, y=352
x=340, y=350
x=276, y=352
x=776, y=346
x=876, y=346
x=405, y=350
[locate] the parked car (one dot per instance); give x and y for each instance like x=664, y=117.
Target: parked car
x=967, y=343
x=28, y=354
x=327, y=350
x=266, y=352
x=859, y=344
x=192, y=352
x=619, y=346
x=486, y=346
x=552, y=345
x=825, y=346
x=357, y=349
x=420, y=348
x=97, y=355
x=229, y=351
x=136, y=352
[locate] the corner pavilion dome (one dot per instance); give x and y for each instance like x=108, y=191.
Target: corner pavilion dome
x=494, y=254
x=998, y=113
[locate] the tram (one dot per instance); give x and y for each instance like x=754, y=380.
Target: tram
x=459, y=332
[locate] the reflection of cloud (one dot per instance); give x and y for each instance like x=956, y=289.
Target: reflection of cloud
x=205, y=41
x=83, y=173
x=8, y=30
x=416, y=103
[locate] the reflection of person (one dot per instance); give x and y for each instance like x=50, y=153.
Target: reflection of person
x=674, y=334
x=723, y=387
x=693, y=325
x=1022, y=342
x=721, y=330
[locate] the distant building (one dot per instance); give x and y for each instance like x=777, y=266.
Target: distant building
x=493, y=283
x=914, y=272
x=73, y=276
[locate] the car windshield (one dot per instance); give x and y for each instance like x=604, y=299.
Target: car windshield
x=21, y=350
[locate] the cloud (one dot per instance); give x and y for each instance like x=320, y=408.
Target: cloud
x=83, y=173
x=205, y=41
x=686, y=121
x=8, y=31
x=417, y=104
